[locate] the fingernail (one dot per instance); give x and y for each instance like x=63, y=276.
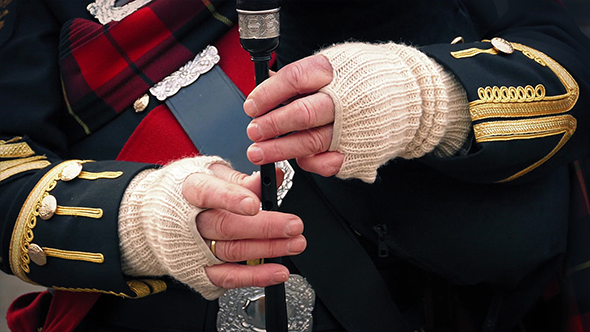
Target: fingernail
x=293, y=228
x=296, y=245
x=248, y=206
x=280, y=277
x=250, y=107
x=253, y=131
x=255, y=154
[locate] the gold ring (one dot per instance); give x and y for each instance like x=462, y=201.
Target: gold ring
x=212, y=246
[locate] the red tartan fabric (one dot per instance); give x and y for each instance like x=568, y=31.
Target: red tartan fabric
x=126, y=68
x=106, y=68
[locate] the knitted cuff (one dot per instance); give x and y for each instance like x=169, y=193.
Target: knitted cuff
x=157, y=227
x=391, y=101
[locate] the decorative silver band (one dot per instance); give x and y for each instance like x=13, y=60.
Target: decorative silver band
x=242, y=309
x=259, y=24
x=186, y=74
x=106, y=11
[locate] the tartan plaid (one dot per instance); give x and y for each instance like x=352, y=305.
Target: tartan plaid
x=106, y=68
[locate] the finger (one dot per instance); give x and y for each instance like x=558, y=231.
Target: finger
x=231, y=276
x=243, y=250
x=325, y=164
x=308, y=112
x=210, y=192
x=223, y=225
x=300, y=144
x=302, y=77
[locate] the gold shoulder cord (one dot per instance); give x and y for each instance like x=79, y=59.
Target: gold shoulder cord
x=545, y=113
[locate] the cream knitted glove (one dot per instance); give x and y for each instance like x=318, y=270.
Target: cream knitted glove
x=392, y=101
x=158, y=231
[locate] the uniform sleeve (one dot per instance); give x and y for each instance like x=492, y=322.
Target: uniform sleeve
x=58, y=217
x=528, y=87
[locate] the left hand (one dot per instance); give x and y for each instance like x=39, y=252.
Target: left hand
x=307, y=114
x=241, y=230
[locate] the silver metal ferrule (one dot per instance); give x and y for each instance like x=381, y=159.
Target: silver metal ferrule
x=259, y=24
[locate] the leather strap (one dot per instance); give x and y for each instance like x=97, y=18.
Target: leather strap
x=210, y=112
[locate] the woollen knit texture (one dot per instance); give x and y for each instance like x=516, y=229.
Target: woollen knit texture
x=391, y=100
x=157, y=227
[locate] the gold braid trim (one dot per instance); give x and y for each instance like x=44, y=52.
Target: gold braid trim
x=527, y=129
x=507, y=102
x=15, y=150
x=141, y=288
x=26, y=221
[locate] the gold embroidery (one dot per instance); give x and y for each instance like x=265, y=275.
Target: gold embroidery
x=75, y=211
x=22, y=234
x=511, y=94
x=74, y=255
x=527, y=129
x=12, y=167
x=102, y=175
x=470, y=52
x=141, y=288
x=5, y=165
x=545, y=105
x=512, y=102
x=15, y=150
x=157, y=286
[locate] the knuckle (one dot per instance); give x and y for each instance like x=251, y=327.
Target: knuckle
x=223, y=225
x=306, y=112
x=295, y=75
x=201, y=185
x=316, y=142
x=232, y=250
x=228, y=281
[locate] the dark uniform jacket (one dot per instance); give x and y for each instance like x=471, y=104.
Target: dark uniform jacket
x=481, y=234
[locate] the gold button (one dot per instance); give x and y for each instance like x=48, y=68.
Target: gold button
x=37, y=254
x=502, y=45
x=70, y=172
x=48, y=207
x=141, y=103
x=458, y=40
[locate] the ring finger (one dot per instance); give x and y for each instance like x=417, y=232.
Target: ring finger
x=243, y=250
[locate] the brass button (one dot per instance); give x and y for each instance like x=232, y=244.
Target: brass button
x=141, y=103
x=502, y=45
x=48, y=207
x=37, y=254
x=458, y=40
x=70, y=172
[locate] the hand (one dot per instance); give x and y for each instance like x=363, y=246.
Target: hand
x=307, y=114
x=241, y=230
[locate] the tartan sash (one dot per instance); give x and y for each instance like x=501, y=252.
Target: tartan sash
x=106, y=68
